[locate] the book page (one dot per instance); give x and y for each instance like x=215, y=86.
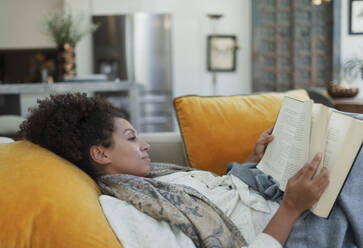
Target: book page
x=319, y=131
x=287, y=153
x=345, y=136
x=338, y=127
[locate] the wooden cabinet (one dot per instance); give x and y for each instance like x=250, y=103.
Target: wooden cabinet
x=293, y=44
x=354, y=105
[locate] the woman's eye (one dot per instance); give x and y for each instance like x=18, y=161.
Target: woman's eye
x=132, y=138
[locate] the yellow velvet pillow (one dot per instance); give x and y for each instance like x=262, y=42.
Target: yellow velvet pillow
x=46, y=201
x=221, y=129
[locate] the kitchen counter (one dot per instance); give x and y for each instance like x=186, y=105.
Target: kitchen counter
x=30, y=92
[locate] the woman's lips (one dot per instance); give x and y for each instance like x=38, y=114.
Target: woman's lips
x=146, y=158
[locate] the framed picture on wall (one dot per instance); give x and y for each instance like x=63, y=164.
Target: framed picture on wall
x=221, y=53
x=355, y=16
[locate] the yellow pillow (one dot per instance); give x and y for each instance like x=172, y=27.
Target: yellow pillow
x=46, y=201
x=221, y=129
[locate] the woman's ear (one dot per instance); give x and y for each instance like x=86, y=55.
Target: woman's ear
x=99, y=155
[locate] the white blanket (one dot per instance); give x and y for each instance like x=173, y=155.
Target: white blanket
x=249, y=211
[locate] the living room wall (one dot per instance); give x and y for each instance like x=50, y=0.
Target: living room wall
x=21, y=23
x=21, y=27
x=190, y=28
x=351, y=45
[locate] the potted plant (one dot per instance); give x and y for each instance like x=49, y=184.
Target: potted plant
x=67, y=29
x=352, y=68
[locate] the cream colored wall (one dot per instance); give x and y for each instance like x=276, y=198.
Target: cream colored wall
x=21, y=27
x=190, y=28
x=21, y=23
x=351, y=45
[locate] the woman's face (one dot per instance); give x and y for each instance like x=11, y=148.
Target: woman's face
x=129, y=153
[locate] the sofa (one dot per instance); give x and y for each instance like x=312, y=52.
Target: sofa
x=46, y=201
x=28, y=208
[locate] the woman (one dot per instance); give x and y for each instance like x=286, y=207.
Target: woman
x=95, y=136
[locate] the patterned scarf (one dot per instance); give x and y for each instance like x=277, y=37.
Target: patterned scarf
x=180, y=205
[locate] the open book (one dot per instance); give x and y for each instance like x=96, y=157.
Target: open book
x=301, y=130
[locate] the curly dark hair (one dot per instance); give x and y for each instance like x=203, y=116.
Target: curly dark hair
x=69, y=124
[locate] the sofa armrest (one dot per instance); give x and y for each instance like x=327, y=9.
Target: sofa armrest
x=9, y=125
x=5, y=140
x=165, y=147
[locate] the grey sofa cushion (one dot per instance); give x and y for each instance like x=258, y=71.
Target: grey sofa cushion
x=5, y=140
x=9, y=124
x=166, y=147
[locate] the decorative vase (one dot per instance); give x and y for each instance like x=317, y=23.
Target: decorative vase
x=340, y=90
x=66, y=62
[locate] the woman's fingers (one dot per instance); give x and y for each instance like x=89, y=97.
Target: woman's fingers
x=267, y=139
x=303, y=189
x=311, y=168
x=298, y=174
x=322, y=180
x=268, y=132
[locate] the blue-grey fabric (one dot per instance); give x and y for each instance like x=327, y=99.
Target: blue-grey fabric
x=263, y=184
x=344, y=226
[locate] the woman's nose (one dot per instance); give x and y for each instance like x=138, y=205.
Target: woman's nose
x=145, y=146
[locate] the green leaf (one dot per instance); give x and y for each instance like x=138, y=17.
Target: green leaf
x=65, y=27
x=352, y=68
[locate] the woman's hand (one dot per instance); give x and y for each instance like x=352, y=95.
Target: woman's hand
x=260, y=147
x=302, y=191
